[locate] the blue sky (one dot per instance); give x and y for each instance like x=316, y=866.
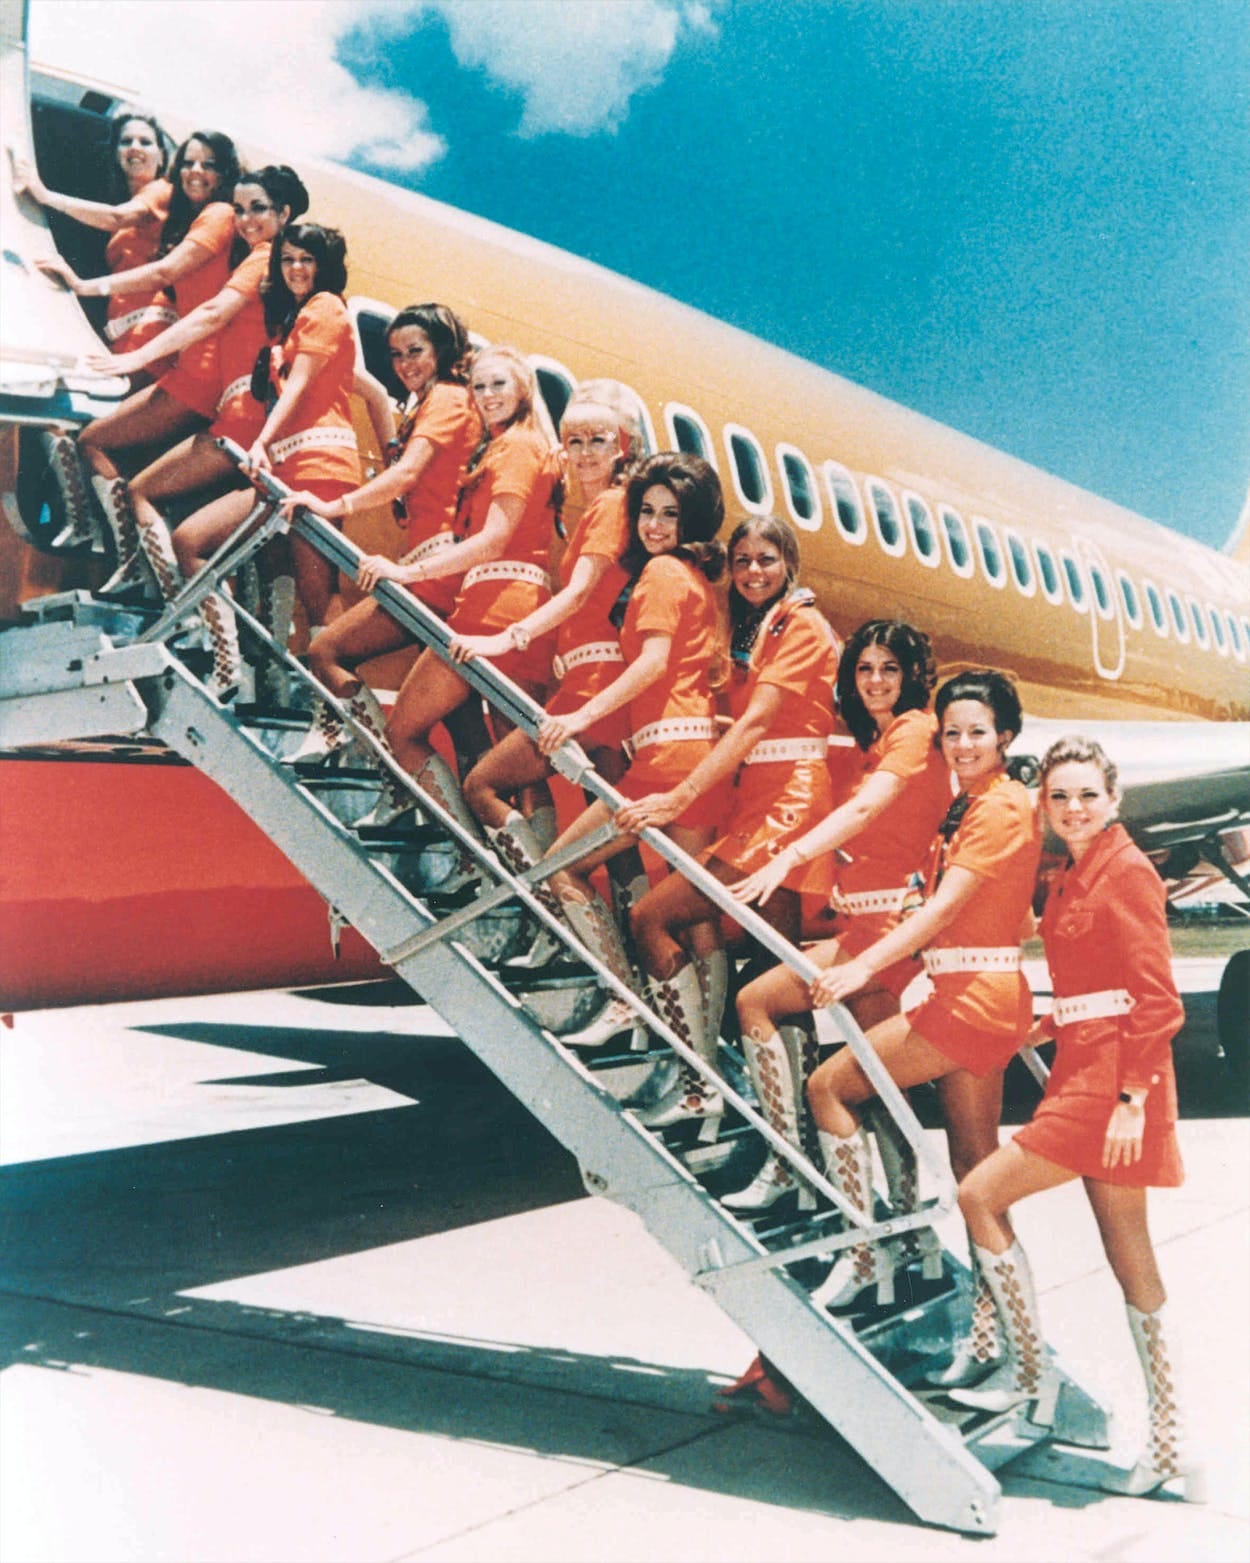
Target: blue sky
x=1029, y=220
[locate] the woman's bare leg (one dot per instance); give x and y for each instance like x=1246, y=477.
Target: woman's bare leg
x=500, y=774
x=989, y=1191
x=202, y=534
x=363, y=631
x=840, y=1084
x=147, y=416
x=1120, y=1212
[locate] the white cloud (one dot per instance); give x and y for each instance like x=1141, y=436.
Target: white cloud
x=263, y=72
x=576, y=63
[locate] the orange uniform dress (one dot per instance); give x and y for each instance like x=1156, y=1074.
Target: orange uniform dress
x=897, y=842
x=1105, y=926
x=135, y=318
x=776, y=801
x=671, y=597
x=588, y=637
x=448, y=418
x=239, y=415
x=979, y=1018
x=519, y=464
x=317, y=448
x=194, y=381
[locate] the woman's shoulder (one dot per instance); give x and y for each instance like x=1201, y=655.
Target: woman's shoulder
x=669, y=572
x=213, y=226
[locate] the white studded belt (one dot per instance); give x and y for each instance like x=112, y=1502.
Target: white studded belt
x=592, y=651
x=770, y=750
x=677, y=729
x=323, y=437
x=1092, y=1006
x=431, y=546
x=983, y=958
x=235, y=388
x=139, y=317
x=507, y=570
x=859, y=902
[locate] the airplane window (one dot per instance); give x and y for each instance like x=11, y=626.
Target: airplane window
x=958, y=548
x=1178, y=615
x=1128, y=596
x=920, y=524
x=1201, y=633
x=801, y=493
x=1217, y=629
x=844, y=497
x=1076, y=582
x=372, y=320
x=991, y=553
x=885, y=513
x=1048, y=570
x=1021, y=564
x=750, y=474
x=644, y=418
x=555, y=391
x=1234, y=635
x=688, y=432
x=1245, y=629
x=1157, y=616
x=1102, y=592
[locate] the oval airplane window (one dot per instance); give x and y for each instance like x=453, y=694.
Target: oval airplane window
x=924, y=538
x=688, y=432
x=371, y=319
x=1021, y=564
x=1217, y=630
x=1201, y=634
x=555, y=386
x=644, y=418
x=802, y=498
x=1178, y=616
x=1130, y=599
x=750, y=475
x=1234, y=636
x=848, y=513
x=1102, y=591
x=1245, y=629
x=990, y=551
x=1048, y=573
x=958, y=548
x=885, y=514
x=1155, y=603
x=1076, y=582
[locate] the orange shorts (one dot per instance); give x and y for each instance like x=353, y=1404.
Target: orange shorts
x=199, y=392
x=977, y=1019
x=771, y=806
x=581, y=684
x=661, y=767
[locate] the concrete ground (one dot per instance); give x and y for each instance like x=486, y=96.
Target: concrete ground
x=289, y=1280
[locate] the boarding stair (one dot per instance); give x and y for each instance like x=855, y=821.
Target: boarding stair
x=76, y=668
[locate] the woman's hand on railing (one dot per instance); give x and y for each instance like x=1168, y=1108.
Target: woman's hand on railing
x=53, y=266
x=327, y=509
x=111, y=364
x=373, y=568
x=839, y=982
x=656, y=810
x=257, y=459
x=759, y=886
x=26, y=180
x=558, y=730
x=463, y=648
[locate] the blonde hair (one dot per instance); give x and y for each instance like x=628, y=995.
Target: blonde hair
x=624, y=406
x=522, y=372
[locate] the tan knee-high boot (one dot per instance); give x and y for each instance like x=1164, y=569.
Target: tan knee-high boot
x=223, y=632
x=768, y=1061
x=679, y=1001
x=902, y=1179
x=848, y=1165
x=519, y=848
x=1025, y=1373
x=595, y=926
x=132, y=565
x=69, y=473
x=975, y=1354
x=1166, y=1457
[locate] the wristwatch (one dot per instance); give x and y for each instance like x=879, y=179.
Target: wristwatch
x=519, y=636
x=1135, y=1097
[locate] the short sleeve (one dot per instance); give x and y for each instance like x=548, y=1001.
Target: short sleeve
x=789, y=659
x=660, y=596
x=247, y=277
x=318, y=328
x=516, y=466
x=443, y=416
x=155, y=197
x=213, y=229
x=994, y=830
x=906, y=746
x=607, y=526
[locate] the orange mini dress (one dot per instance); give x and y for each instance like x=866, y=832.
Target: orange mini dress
x=519, y=464
x=869, y=889
x=978, y=1017
x=240, y=416
x=784, y=788
x=588, y=645
x=1106, y=937
x=673, y=723
x=317, y=448
x=446, y=417
x=194, y=380
x=136, y=317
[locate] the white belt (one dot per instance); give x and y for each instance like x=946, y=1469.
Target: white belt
x=769, y=750
x=507, y=570
x=942, y=962
x=432, y=545
x=677, y=729
x=858, y=902
x=592, y=651
x=235, y=388
x=1092, y=1006
x=322, y=437
x=139, y=317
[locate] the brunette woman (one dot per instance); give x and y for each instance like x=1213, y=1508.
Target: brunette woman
x=784, y=660
x=1109, y=1112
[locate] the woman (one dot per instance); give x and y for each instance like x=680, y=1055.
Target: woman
x=978, y=893
x=784, y=662
x=504, y=524
x=670, y=638
x=601, y=437
x=1109, y=1112
x=233, y=321
x=138, y=154
x=884, y=682
x=438, y=432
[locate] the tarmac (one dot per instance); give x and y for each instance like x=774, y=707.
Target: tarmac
x=289, y=1279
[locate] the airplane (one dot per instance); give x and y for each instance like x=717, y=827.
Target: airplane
x=127, y=873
